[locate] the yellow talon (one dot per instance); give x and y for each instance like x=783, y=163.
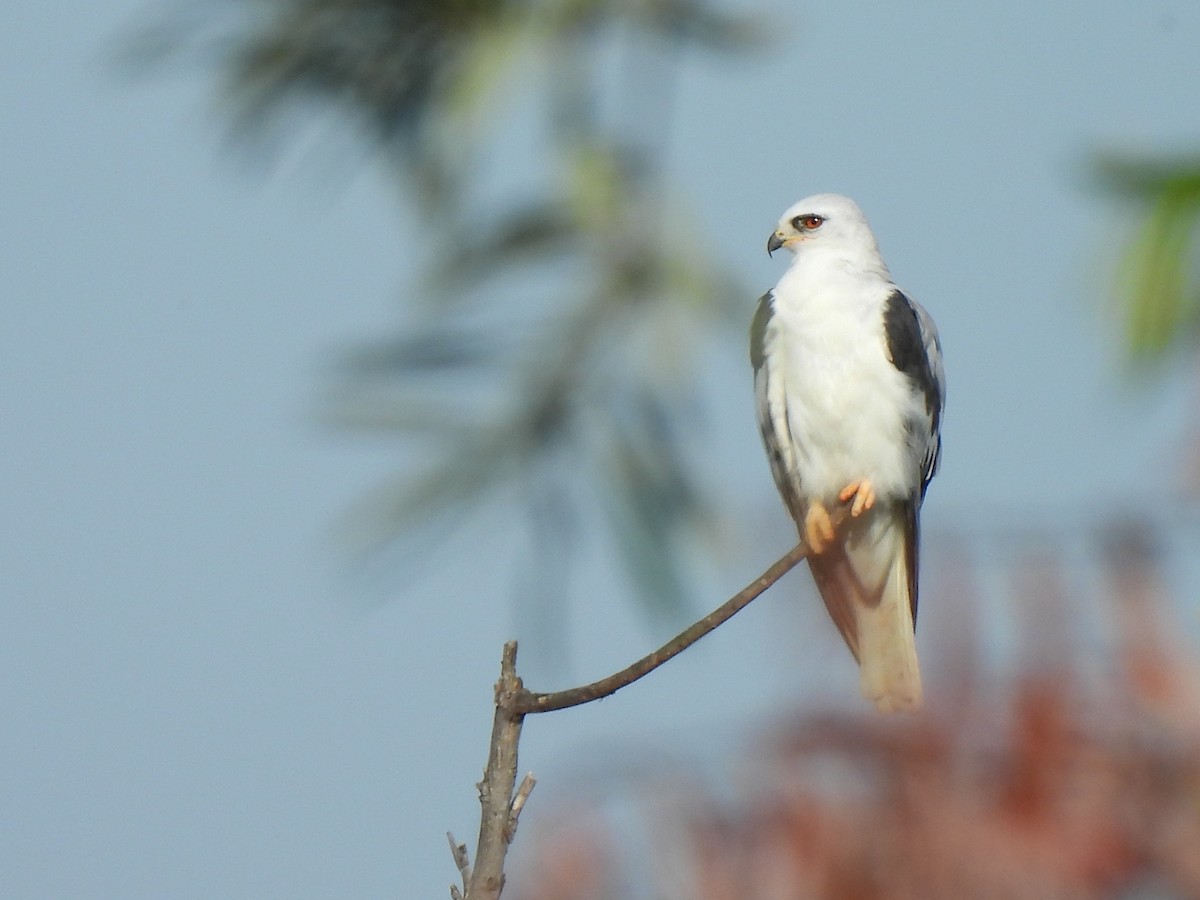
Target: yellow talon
x=818, y=529
x=863, y=495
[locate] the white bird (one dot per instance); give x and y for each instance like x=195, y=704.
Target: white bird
x=850, y=388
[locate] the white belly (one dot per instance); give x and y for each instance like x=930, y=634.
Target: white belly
x=848, y=407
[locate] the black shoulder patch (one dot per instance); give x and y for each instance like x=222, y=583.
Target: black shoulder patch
x=758, y=329
x=906, y=347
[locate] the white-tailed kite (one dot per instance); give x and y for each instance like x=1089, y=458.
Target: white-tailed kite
x=849, y=383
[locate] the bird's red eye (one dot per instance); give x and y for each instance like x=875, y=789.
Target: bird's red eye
x=807, y=223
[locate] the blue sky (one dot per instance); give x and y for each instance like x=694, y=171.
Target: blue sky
x=199, y=701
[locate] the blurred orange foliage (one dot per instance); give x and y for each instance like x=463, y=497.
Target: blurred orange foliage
x=1075, y=781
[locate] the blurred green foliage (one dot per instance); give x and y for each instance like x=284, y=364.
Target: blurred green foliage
x=1159, y=284
x=548, y=352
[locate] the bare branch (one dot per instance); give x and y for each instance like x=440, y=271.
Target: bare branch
x=530, y=702
x=501, y=806
x=499, y=779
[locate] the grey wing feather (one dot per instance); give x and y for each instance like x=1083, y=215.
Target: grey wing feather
x=914, y=349
x=933, y=354
x=772, y=413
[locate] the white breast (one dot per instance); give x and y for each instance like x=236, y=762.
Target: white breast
x=846, y=404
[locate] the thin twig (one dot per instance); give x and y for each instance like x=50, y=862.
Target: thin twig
x=463, y=862
x=528, y=783
x=530, y=702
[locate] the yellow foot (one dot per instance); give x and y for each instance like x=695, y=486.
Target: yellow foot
x=818, y=529
x=863, y=495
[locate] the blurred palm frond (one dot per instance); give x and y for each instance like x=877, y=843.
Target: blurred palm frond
x=551, y=338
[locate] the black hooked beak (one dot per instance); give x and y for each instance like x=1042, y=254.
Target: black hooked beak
x=774, y=242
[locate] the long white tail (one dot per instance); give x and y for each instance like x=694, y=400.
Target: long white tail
x=890, y=677
x=866, y=583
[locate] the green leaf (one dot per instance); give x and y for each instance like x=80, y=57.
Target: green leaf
x=1157, y=281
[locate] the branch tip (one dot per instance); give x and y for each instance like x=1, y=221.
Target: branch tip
x=510, y=690
x=462, y=862
x=459, y=851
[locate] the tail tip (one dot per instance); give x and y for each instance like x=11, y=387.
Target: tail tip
x=905, y=697
x=892, y=703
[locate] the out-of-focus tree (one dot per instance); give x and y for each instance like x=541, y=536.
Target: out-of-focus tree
x=1159, y=278
x=547, y=352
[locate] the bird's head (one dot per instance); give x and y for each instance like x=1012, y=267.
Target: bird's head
x=828, y=221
